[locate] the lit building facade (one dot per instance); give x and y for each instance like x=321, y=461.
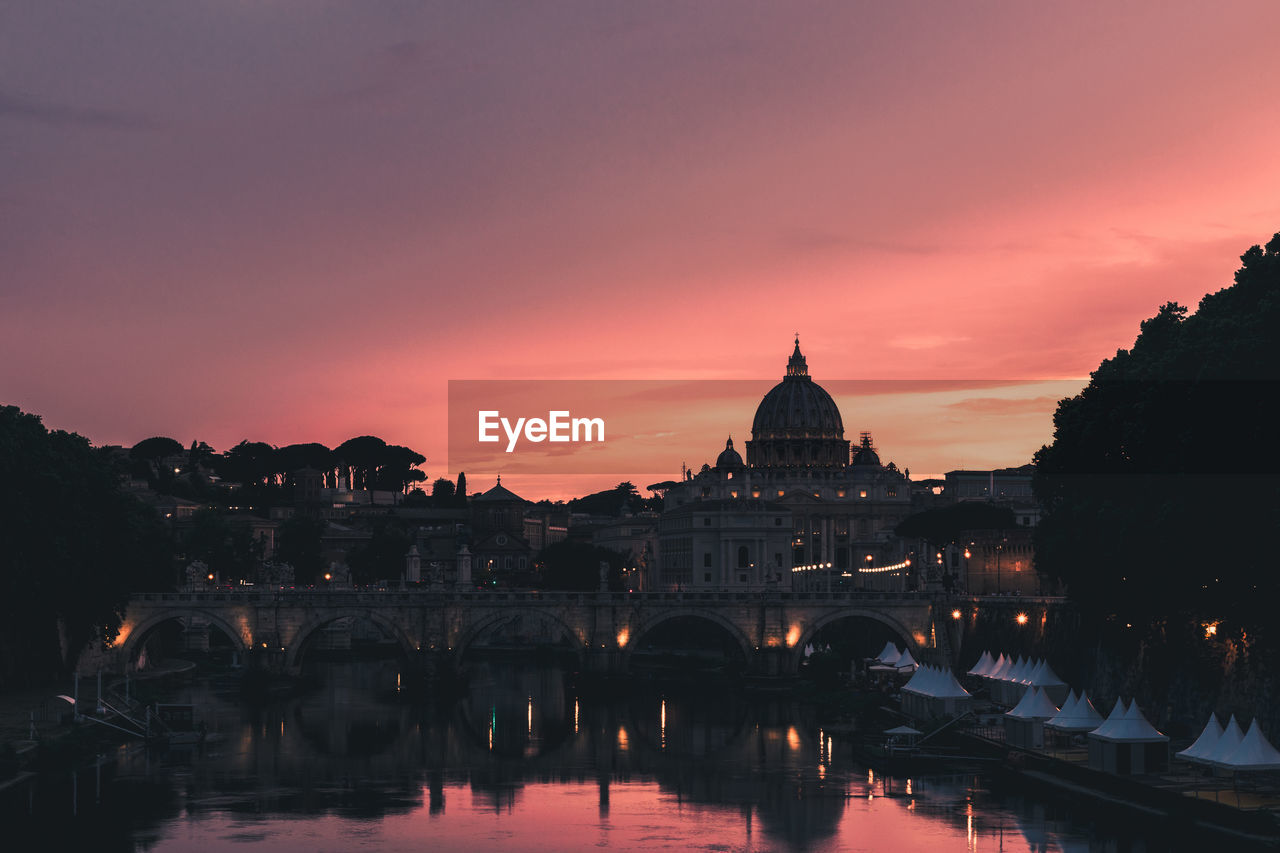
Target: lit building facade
x=804, y=510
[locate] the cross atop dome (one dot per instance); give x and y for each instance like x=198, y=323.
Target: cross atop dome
x=796, y=365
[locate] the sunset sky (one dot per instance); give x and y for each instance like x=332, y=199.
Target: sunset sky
x=297, y=221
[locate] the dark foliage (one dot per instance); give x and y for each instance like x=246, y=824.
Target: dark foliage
x=1159, y=490
x=571, y=565
x=298, y=543
x=382, y=557
x=75, y=546
x=622, y=498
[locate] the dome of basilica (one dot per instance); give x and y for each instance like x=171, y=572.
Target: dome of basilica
x=797, y=407
x=797, y=423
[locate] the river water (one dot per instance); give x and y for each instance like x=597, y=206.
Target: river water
x=523, y=763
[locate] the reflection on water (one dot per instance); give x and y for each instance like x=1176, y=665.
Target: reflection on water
x=523, y=763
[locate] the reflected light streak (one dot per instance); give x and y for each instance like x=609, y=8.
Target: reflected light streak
x=793, y=739
x=623, y=742
x=575, y=715
x=530, y=731
x=662, y=725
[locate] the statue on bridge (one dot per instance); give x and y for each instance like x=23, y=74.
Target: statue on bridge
x=339, y=575
x=197, y=573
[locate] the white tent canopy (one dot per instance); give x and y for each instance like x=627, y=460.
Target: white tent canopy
x=1035, y=705
x=1132, y=727
x=1014, y=672
x=1044, y=676
x=931, y=681
x=906, y=661
x=1227, y=744
x=1023, y=676
x=983, y=666
x=889, y=654
x=1077, y=715
x=1255, y=752
x=999, y=667
x=1113, y=719
x=1204, y=745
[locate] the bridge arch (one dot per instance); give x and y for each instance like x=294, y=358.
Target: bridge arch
x=397, y=631
x=473, y=631
x=810, y=630
x=138, y=633
x=638, y=632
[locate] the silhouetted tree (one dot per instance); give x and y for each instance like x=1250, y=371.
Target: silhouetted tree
x=249, y=463
x=382, y=557
x=442, y=492
x=75, y=546
x=1159, y=489
x=294, y=457
x=622, y=497
x=199, y=454
x=148, y=455
x=460, y=494
x=398, y=468
x=229, y=549
x=298, y=543
x=359, y=458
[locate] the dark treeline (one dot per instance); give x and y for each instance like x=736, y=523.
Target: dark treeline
x=363, y=462
x=1160, y=489
x=75, y=545
x=1161, y=501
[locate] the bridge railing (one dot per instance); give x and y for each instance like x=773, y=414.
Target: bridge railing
x=332, y=597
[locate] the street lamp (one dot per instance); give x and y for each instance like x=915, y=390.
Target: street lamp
x=999, y=548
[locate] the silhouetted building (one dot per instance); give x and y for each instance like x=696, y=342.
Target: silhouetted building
x=802, y=511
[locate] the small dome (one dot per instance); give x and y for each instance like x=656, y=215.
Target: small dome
x=866, y=454
x=729, y=458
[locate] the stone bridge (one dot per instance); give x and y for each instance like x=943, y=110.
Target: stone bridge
x=273, y=628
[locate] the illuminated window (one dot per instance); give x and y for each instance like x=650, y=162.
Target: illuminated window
x=733, y=494
x=862, y=493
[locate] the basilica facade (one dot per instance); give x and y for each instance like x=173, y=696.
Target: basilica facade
x=804, y=510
